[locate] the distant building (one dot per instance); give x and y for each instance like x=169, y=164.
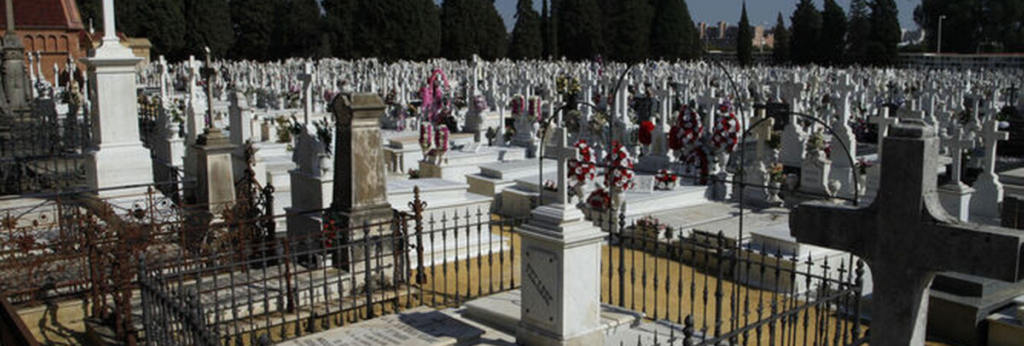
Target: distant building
x=723, y=36
x=54, y=29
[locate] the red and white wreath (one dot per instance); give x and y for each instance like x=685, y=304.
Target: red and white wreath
x=620, y=168
x=688, y=129
x=726, y=133
x=583, y=167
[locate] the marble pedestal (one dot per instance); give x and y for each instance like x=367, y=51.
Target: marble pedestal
x=560, y=308
x=956, y=199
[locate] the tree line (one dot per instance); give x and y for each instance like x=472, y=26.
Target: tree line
x=620, y=30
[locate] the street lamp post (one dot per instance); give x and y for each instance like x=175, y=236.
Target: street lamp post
x=940, y=34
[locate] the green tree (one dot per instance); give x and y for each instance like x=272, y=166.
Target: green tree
x=579, y=29
x=673, y=32
x=858, y=35
x=458, y=39
x=780, y=54
x=833, y=34
x=397, y=29
x=885, y=33
x=254, y=28
x=425, y=30
x=628, y=39
x=91, y=12
x=339, y=26
x=745, y=40
x=164, y=24
x=527, y=42
x=1005, y=27
x=492, y=37
x=806, y=30
x=209, y=25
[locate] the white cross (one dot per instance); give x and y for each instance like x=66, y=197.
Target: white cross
x=883, y=121
x=306, y=77
x=956, y=144
x=991, y=136
x=562, y=153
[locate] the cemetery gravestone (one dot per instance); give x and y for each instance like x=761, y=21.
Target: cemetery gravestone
x=906, y=237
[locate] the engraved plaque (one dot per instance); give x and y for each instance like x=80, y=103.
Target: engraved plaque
x=541, y=285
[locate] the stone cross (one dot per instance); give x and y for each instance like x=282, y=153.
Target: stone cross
x=906, y=237
x=763, y=131
x=190, y=122
x=306, y=77
x=991, y=135
x=562, y=152
x=883, y=121
x=956, y=144
x=163, y=79
x=109, y=27
x=210, y=75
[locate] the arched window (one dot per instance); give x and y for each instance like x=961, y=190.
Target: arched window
x=51, y=43
x=28, y=43
x=64, y=45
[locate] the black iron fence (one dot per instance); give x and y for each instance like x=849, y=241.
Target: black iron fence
x=41, y=151
x=259, y=290
x=719, y=289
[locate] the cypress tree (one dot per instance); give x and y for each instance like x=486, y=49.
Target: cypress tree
x=253, y=23
x=209, y=26
x=673, y=32
x=780, y=54
x=628, y=39
x=885, y=33
x=302, y=28
x=425, y=31
x=339, y=25
x=806, y=30
x=579, y=29
x=545, y=29
x=527, y=42
x=859, y=30
x=458, y=36
x=491, y=33
x=833, y=34
x=164, y=24
x=745, y=40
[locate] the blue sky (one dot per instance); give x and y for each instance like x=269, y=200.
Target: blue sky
x=713, y=11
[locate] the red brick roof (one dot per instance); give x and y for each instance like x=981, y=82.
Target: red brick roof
x=43, y=14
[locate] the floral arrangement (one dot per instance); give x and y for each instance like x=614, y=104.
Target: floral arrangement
x=534, y=108
x=651, y=227
x=597, y=122
x=583, y=167
x=550, y=185
x=329, y=95
x=414, y=173
x=441, y=139
x=816, y=142
x=426, y=137
x=392, y=97
x=646, y=133
x=491, y=135
x=726, y=134
x=434, y=96
x=862, y=167
x=571, y=121
x=777, y=173
x=518, y=105
x=324, y=133
x=568, y=87
x=284, y=130
x=599, y=200
x=479, y=103
x=620, y=168
x=688, y=130
x=665, y=179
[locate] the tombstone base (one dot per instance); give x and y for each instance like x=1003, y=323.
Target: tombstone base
x=106, y=169
x=960, y=303
x=956, y=199
x=988, y=193
x=559, y=308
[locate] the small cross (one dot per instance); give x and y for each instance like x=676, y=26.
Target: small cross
x=883, y=121
x=562, y=153
x=956, y=145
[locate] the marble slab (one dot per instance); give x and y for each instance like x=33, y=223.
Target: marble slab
x=417, y=327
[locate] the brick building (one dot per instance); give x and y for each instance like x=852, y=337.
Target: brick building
x=55, y=30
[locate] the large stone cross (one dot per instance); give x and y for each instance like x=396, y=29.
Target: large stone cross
x=210, y=75
x=906, y=237
x=991, y=135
